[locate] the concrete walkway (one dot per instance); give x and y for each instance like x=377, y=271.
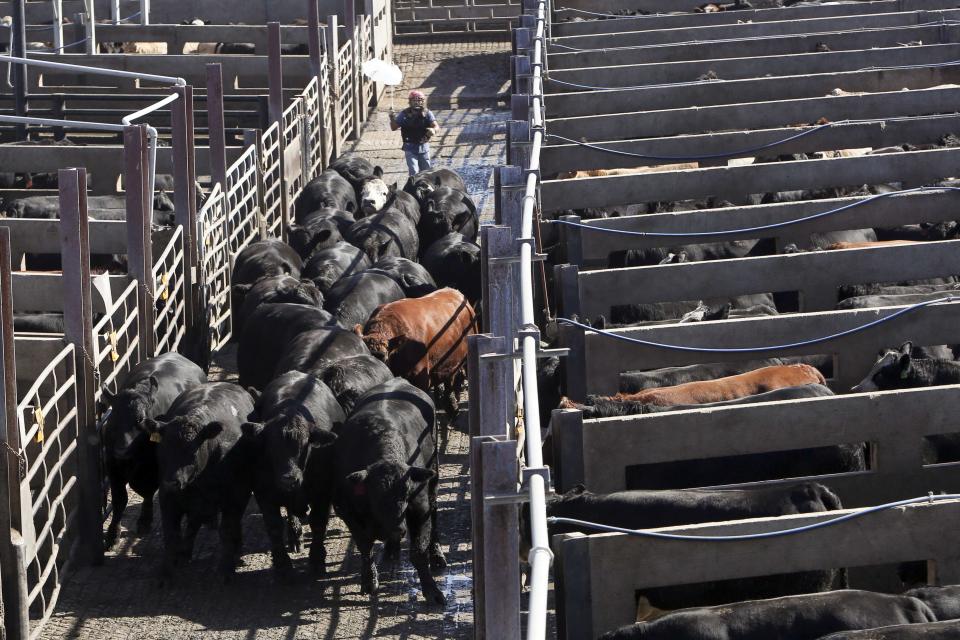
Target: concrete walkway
x=121, y=600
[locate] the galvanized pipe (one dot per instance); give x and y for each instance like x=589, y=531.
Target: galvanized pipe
x=57, y=24
x=116, y=73
x=540, y=555
x=151, y=134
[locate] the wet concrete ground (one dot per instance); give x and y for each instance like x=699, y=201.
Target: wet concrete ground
x=121, y=600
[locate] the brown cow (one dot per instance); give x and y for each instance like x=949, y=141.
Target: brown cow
x=424, y=340
x=729, y=388
x=867, y=245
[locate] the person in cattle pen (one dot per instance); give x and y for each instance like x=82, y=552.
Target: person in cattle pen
x=417, y=125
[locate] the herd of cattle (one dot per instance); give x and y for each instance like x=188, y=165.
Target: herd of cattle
x=345, y=336
x=798, y=606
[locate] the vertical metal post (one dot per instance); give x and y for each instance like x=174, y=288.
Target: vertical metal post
x=139, y=215
x=216, y=125
x=115, y=11
x=18, y=46
x=185, y=196
x=78, y=330
x=144, y=12
x=333, y=65
x=350, y=22
x=275, y=73
x=14, y=618
x=57, y=26
x=91, y=27
x=500, y=308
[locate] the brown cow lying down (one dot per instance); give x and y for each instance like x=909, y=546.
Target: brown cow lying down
x=867, y=245
x=424, y=340
x=596, y=173
x=728, y=388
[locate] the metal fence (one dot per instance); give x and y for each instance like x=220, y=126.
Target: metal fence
x=214, y=273
x=116, y=341
x=430, y=17
x=49, y=434
x=170, y=295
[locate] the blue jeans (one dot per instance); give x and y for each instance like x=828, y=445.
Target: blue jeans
x=417, y=162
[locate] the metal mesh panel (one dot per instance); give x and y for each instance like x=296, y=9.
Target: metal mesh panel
x=243, y=205
x=345, y=88
x=49, y=497
x=311, y=109
x=170, y=300
x=272, y=178
x=116, y=340
x=214, y=247
x=364, y=53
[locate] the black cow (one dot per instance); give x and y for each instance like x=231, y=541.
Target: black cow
x=274, y=290
x=269, y=257
x=901, y=369
x=387, y=480
x=349, y=378
x=354, y=298
x=389, y=232
x=343, y=219
x=805, y=616
x=943, y=601
x=447, y=210
x=881, y=300
x=38, y=322
x=147, y=392
x=268, y=332
x=653, y=509
x=633, y=381
x=923, y=232
x=877, y=288
x=297, y=414
x=412, y=277
x=316, y=235
x=328, y=190
x=898, y=369
x=205, y=470
x=311, y=350
x=329, y=265
x=454, y=262
x=355, y=169
x=695, y=253
x=949, y=630
x=636, y=314
x=425, y=182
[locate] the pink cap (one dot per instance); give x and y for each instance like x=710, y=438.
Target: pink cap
x=416, y=94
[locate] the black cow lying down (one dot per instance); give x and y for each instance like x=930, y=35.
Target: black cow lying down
x=949, y=630
x=791, y=617
x=652, y=509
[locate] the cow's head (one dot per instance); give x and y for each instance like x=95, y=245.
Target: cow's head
x=290, y=290
x=185, y=447
x=129, y=409
x=286, y=443
x=448, y=210
x=374, y=194
x=308, y=239
x=891, y=371
x=385, y=489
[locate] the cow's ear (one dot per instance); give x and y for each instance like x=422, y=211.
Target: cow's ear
x=357, y=481
x=107, y=396
x=358, y=329
x=251, y=430
x=154, y=384
x=211, y=430
x=419, y=475
x=242, y=288
x=906, y=348
x=154, y=428
x=324, y=235
x=378, y=171
x=321, y=438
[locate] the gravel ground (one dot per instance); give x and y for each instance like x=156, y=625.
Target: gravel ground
x=121, y=599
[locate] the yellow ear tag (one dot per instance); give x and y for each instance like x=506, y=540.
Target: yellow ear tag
x=114, y=354
x=154, y=437
x=38, y=416
x=164, y=294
